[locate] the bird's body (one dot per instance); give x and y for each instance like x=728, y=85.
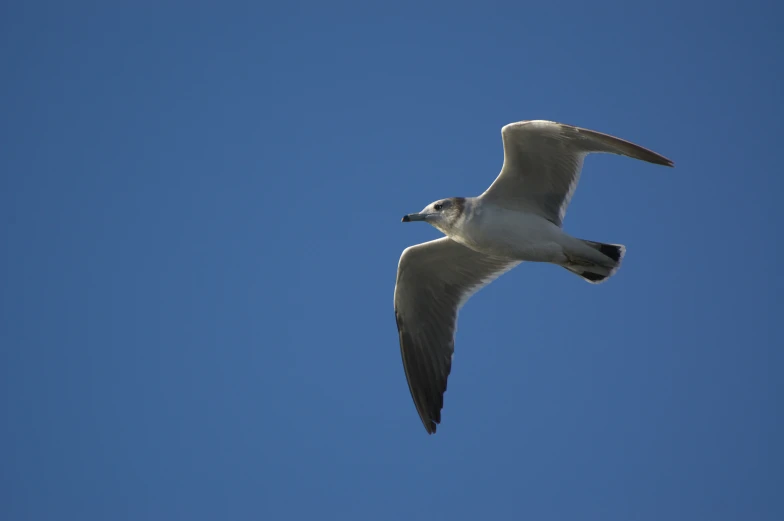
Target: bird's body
x=504, y=232
x=518, y=218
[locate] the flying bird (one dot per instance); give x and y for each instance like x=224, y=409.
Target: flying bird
x=518, y=218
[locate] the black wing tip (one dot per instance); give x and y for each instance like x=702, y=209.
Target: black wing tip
x=430, y=421
x=644, y=154
x=661, y=160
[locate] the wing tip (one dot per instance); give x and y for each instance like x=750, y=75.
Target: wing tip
x=659, y=159
x=430, y=419
x=430, y=424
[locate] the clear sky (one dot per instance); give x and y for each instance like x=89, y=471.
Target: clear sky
x=200, y=231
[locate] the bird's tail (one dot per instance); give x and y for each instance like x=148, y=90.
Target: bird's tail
x=597, y=273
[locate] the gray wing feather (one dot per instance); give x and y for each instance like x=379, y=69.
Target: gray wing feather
x=542, y=164
x=434, y=280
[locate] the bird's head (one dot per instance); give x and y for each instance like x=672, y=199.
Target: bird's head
x=441, y=214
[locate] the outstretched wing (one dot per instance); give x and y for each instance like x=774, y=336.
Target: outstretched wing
x=434, y=280
x=542, y=164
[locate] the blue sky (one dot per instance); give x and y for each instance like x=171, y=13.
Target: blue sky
x=200, y=230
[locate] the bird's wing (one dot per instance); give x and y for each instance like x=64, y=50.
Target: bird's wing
x=542, y=163
x=434, y=280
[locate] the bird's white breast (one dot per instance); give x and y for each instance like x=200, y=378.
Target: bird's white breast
x=494, y=230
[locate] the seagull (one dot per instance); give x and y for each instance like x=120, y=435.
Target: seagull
x=518, y=218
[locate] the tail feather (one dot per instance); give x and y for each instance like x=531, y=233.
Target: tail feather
x=598, y=273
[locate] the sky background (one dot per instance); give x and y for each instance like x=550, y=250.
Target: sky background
x=200, y=228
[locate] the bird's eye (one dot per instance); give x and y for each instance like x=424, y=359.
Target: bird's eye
x=438, y=206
